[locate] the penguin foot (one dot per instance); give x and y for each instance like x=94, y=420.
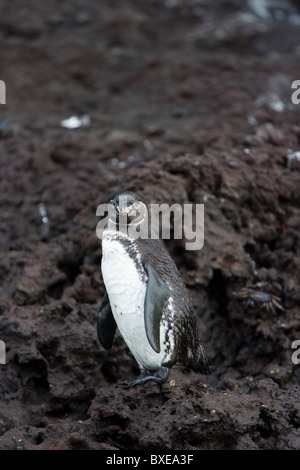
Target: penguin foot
x=160, y=378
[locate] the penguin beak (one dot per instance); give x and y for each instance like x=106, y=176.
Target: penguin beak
x=113, y=203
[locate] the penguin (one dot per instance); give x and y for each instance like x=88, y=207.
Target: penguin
x=147, y=300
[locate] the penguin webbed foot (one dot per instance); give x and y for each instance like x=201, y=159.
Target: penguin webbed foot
x=145, y=376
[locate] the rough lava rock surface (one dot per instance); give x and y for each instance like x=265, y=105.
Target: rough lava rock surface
x=189, y=102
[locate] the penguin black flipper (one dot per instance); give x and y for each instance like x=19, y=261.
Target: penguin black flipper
x=157, y=294
x=106, y=324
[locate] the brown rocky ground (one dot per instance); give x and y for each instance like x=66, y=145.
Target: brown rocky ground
x=189, y=101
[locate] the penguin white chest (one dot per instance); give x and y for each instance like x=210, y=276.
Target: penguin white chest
x=126, y=289
x=123, y=283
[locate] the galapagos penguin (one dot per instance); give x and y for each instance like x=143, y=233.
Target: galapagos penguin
x=147, y=300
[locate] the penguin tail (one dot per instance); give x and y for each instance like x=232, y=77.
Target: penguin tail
x=201, y=363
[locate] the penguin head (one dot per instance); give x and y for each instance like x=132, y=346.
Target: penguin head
x=129, y=207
